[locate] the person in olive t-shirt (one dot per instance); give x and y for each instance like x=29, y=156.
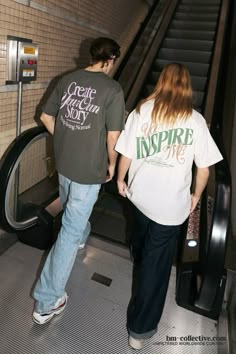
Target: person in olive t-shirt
x=85, y=113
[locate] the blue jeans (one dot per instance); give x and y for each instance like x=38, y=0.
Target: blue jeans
x=78, y=201
x=153, y=248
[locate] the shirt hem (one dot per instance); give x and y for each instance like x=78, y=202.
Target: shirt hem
x=82, y=181
x=162, y=221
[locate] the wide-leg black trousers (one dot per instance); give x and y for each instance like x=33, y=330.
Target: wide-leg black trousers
x=153, y=249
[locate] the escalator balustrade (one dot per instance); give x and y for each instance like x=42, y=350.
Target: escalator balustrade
x=28, y=186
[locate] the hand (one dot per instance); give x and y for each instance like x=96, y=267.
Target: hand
x=111, y=172
x=194, y=201
x=122, y=187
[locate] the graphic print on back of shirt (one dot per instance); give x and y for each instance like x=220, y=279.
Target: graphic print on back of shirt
x=163, y=146
x=76, y=105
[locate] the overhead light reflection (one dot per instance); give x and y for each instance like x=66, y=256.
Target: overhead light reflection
x=192, y=243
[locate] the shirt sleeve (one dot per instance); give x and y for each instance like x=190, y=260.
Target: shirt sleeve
x=52, y=106
x=126, y=144
x=206, y=151
x=115, y=110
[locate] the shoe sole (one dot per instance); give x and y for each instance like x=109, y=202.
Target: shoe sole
x=135, y=344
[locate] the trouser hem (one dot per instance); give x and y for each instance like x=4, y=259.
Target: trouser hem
x=145, y=335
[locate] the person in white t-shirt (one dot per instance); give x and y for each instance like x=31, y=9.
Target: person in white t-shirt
x=162, y=139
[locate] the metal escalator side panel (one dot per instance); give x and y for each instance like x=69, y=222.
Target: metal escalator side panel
x=9, y=163
x=215, y=67
x=208, y=276
x=147, y=61
x=214, y=277
x=129, y=72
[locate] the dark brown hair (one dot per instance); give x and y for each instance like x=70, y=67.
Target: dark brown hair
x=103, y=49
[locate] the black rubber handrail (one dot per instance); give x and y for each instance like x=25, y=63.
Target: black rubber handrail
x=215, y=256
x=136, y=41
x=134, y=71
x=8, y=164
x=139, y=76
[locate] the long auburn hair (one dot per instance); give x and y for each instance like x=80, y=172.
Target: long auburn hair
x=172, y=95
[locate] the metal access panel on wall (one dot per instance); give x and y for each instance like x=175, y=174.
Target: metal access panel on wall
x=22, y=60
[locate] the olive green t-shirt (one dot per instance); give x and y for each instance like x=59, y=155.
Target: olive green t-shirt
x=86, y=105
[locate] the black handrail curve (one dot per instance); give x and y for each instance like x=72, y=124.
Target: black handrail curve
x=8, y=164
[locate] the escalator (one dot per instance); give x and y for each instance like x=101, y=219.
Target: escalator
x=191, y=32
x=189, y=40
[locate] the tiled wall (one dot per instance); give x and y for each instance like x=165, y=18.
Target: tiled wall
x=63, y=30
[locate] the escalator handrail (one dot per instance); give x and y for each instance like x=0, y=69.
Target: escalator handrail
x=215, y=260
x=127, y=76
x=8, y=164
x=140, y=75
x=136, y=41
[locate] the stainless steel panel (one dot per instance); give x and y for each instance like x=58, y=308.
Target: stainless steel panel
x=94, y=321
x=11, y=60
x=27, y=61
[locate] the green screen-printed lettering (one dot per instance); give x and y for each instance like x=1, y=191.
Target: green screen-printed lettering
x=156, y=142
x=162, y=136
x=177, y=136
x=188, y=136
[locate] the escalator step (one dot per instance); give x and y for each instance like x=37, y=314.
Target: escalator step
x=148, y=89
x=193, y=8
x=196, y=16
x=193, y=25
x=198, y=96
x=184, y=55
x=189, y=44
x=185, y=34
x=153, y=77
x=198, y=83
x=201, y=2
x=195, y=69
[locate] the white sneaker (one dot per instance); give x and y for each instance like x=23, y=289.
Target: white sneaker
x=136, y=343
x=41, y=318
x=81, y=246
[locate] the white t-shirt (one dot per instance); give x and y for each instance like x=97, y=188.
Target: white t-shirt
x=162, y=156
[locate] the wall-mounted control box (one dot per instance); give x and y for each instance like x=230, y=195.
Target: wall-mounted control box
x=22, y=60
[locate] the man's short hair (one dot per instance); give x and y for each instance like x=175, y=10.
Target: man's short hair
x=103, y=49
